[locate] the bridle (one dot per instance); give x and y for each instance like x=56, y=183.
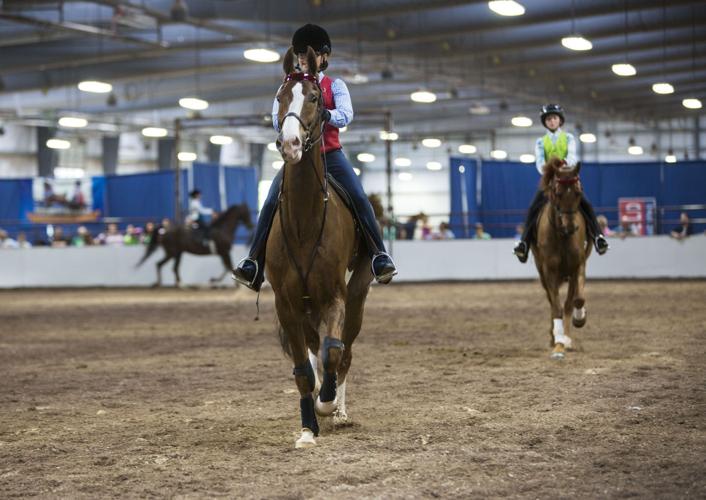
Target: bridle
x=308, y=143
x=570, y=181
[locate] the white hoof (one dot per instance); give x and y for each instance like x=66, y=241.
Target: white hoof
x=557, y=356
x=340, y=418
x=306, y=440
x=327, y=408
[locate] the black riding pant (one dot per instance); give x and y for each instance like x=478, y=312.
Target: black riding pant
x=586, y=209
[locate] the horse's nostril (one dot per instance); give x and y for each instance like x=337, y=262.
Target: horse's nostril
x=296, y=141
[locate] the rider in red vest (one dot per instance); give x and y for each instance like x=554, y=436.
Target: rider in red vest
x=337, y=113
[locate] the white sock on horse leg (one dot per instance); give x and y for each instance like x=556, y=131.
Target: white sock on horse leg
x=558, y=331
x=314, y=360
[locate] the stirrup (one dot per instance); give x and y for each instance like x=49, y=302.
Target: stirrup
x=387, y=277
x=235, y=277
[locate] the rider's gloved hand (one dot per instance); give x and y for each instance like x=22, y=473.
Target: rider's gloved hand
x=325, y=115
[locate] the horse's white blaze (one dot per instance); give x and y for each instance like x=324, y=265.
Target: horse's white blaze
x=290, y=127
x=306, y=440
x=579, y=314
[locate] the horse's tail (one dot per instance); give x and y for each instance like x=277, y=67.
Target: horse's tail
x=154, y=243
x=284, y=340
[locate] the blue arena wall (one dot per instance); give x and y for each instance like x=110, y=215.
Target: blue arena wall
x=505, y=190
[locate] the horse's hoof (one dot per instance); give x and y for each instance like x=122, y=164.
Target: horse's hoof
x=557, y=356
x=340, y=418
x=327, y=408
x=306, y=440
x=578, y=318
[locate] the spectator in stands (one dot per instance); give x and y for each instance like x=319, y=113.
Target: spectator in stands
x=6, y=241
x=603, y=224
x=684, y=230
x=480, y=234
x=519, y=229
x=22, y=241
x=112, y=236
x=132, y=235
x=146, y=236
x=82, y=238
x=444, y=233
x=625, y=229
x=422, y=230
x=59, y=239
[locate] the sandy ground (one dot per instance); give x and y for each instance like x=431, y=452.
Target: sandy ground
x=141, y=393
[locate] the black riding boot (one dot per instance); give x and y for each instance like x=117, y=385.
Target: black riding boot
x=251, y=270
x=593, y=229
x=522, y=247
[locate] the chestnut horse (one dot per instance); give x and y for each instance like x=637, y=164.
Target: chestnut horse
x=561, y=250
x=316, y=262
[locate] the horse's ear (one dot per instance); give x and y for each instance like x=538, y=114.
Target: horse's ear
x=288, y=63
x=311, y=61
x=578, y=167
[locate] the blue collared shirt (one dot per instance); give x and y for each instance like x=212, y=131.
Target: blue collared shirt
x=539, y=149
x=341, y=116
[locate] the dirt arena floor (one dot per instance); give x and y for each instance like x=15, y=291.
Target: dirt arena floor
x=173, y=393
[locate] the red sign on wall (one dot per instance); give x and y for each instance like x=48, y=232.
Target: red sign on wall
x=640, y=213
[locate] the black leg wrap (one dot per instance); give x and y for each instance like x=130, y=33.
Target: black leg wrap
x=306, y=406
x=328, y=343
x=306, y=370
x=328, y=387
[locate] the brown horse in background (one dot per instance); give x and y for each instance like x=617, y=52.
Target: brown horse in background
x=182, y=238
x=316, y=262
x=561, y=250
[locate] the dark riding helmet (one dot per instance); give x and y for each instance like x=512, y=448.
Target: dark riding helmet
x=552, y=109
x=311, y=35
x=194, y=193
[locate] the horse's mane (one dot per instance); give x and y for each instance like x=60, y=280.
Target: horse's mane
x=549, y=170
x=224, y=215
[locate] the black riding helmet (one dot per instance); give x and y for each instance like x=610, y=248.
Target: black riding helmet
x=311, y=35
x=552, y=109
x=194, y=193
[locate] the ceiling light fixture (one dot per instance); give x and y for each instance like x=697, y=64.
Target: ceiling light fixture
x=423, y=96
x=58, y=144
x=72, y=122
x=527, y=158
x=95, y=87
x=506, y=7
x=405, y=176
x=635, y=150
x=587, y=137
x=522, y=121
x=576, y=42
x=467, y=149
x=624, y=69
x=431, y=142
x=261, y=55
x=498, y=154
x=389, y=136
x=434, y=165
x=186, y=156
x=366, y=157
x=193, y=103
x=691, y=103
x=220, y=140
x=403, y=162
x=662, y=88
x=154, y=132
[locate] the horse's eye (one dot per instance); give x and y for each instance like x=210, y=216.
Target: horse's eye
x=313, y=97
x=278, y=99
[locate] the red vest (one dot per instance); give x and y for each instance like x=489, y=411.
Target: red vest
x=330, y=132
